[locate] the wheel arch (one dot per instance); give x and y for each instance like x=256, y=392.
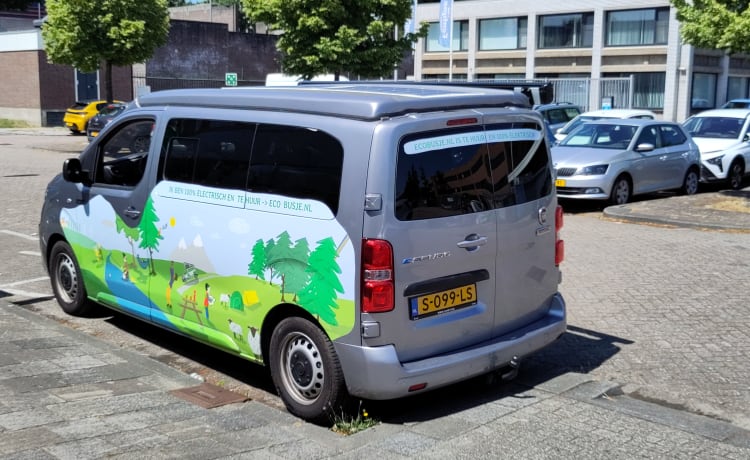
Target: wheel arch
x=276, y=315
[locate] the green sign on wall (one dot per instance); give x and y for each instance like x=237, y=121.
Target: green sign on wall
x=230, y=79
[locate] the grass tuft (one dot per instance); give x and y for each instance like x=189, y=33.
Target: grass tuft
x=348, y=424
x=7, y=123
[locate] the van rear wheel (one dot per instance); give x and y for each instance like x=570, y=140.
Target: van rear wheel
x=67, y=282
x=306, y=371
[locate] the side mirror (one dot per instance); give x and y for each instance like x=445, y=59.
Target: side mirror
x=645, y=147
x=72, y=171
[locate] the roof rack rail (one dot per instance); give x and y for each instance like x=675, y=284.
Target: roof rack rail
x=536, y=91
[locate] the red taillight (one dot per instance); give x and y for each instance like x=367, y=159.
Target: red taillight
x=377, y=276
x=462, y=121
x=559, y=244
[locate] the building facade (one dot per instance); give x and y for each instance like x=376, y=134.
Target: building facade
x=583, y=39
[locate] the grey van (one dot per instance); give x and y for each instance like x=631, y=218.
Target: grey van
x=363, y=241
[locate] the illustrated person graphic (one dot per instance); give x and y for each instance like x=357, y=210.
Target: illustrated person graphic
x=171, y=282
x=125, y=267
x=206, y=301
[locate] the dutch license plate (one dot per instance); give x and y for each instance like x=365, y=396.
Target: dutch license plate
x=94, y=133
x=560, y=183
x=440, y=302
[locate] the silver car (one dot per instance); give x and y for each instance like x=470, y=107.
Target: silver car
x=616, y=159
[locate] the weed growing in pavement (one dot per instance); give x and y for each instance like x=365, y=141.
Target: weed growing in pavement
x=6, y=123
x=347, y=424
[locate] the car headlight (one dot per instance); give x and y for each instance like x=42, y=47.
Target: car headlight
x=717, y=161
x=596, y=170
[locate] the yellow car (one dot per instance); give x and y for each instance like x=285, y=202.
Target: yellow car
x=77, y=117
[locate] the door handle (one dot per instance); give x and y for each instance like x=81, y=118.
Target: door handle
x=132, y=213
x=472, y=242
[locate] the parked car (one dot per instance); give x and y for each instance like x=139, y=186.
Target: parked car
x=723, y=139
x=103, y=118
x=616, y=159
x=598, y=115
x=78, y=115
x=558, y=114
x=737, y=104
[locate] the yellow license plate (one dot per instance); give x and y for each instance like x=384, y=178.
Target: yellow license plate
x=440, y=302
x=94, y=133
x=560, y=183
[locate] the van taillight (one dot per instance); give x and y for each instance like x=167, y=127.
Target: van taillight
x=377, y=276
x=559, y=244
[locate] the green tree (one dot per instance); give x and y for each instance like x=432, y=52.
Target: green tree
x=85, y=34
x=296, y=276
x=149, y=231
x=257, y=265
x=320, y=294
x=131, y=233
x=278, y=257
x=335, y=36
x=715, y=24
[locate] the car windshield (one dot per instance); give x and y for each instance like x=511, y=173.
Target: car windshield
x=601, y=136
x=576, y=122
x=714, y=127
x=111, y=110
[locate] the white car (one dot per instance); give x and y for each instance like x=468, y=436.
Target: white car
x=723, y=139
x=598, y=115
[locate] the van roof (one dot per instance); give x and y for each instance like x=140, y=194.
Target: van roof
x=356, y=101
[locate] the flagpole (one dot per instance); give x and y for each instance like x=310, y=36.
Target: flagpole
x=450, y=48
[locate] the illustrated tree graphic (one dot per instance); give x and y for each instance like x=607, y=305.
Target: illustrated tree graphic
x=133, y=234
x=295, y=268
x=270, y=245
x=279, y=257
x=149, y=232
x=320, y=294
x=257, y=265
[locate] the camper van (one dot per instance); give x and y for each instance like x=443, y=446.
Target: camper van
x=366, y=241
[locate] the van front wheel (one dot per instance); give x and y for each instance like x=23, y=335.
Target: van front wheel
x=306, y=371
x=67, y=282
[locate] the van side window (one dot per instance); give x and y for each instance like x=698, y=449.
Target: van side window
x=529, y=175
x=442, y=174
x=123, y=155
x=213, y=153
x=297, y=162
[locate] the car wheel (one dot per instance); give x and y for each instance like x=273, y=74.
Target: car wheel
x=67, y=282
x=620, y=191
x=306, y=370
x=735, y=175
x=690, y=184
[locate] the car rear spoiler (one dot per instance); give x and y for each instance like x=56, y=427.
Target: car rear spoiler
x=536, y=91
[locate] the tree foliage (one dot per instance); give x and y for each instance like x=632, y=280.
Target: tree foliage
x=85, y=34
x=715, y=24
x=337, y=36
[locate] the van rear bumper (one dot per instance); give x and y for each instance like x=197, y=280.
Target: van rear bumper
x=376, y=373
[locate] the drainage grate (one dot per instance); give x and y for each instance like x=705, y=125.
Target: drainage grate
x=209, y=396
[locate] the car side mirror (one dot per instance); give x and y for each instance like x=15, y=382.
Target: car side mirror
x=73, y=171
x=645, y=147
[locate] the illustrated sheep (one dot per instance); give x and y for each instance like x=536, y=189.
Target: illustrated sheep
x=236, y=329
x=224, y=300
x=253, y=339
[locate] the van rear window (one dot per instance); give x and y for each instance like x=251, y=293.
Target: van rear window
x=469, y=170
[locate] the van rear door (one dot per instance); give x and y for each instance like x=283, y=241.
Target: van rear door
x=442, y=226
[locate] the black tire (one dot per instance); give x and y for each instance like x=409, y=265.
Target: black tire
x=621, y=191
x=690, y=184
x=67, y=282
x=735, y=175
x=306, y=371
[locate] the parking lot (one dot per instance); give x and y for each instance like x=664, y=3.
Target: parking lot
x=658, y=316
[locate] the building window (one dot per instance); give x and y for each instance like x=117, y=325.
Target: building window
x=502, y=34
x=566, y=31
x=460, y=37
x=737, y=88
x=648, y=91
x=637, y=27
x=704, y=91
